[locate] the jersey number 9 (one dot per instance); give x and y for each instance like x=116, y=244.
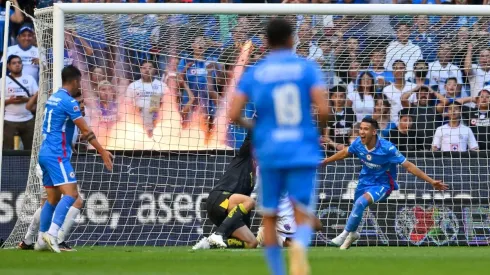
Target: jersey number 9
x=287, y=104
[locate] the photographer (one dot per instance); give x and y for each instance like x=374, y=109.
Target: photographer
x=18, y=120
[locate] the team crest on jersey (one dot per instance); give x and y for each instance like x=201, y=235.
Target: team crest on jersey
x=193, y=71
x=473, y=121
x=155, y=86
x=33, y=53
x=24, y=81
x=369, y=157
x=76, y=109
x=72, y=174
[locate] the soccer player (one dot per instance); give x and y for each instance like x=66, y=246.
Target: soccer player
x=379, y=159
x=61, y=114
x=283, y=87
x=229, y=203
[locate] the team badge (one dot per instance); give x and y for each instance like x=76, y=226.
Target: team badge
x=72, y=174
x=193, y=71
x=369, y=157
x=76, y=109
x=156, y=86
x=24, y=81
x=473, y=122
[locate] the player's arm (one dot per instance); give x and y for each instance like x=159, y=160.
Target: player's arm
x=240, y=99
x=340, y=155
x=414, y=170
x=89, y=135
x=317, y=224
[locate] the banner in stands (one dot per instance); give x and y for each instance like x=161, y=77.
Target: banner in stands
x=135, y=207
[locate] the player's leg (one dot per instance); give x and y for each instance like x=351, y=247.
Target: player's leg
x=300, y=187
x=65, y=229
x=269, y=194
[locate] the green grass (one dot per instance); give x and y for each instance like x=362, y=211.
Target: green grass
x=176, y=261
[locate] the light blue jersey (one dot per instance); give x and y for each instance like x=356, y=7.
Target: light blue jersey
x=379, y=165
x=280, y=86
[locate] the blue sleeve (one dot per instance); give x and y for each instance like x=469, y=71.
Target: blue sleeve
x=353, y=147
x=72, y=109
x=246, y=82
x=394, y=155
x=181, y=66
x=315, y=76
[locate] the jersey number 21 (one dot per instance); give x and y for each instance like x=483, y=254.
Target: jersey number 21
x=287, y=104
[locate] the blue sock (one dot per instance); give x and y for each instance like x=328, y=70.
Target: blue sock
x=273, y=255
x=303, y=234
x=356, y=214
x=46, y=216
x=61, y=209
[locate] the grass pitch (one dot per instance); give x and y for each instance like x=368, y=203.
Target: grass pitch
x=176, y=261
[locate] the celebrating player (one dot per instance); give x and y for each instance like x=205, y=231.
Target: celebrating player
x=61, y=114
x=379, y=159
x=283, y=87
x=229, y=204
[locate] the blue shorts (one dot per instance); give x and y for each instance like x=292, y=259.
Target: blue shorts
x=299, y=183
x=377, y=193
x=56, y=171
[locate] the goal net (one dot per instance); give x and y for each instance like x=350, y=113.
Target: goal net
x=156, y=89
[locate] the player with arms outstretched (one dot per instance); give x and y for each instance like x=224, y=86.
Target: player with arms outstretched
x=379, y=159
x=61, y=114
x=283, y=87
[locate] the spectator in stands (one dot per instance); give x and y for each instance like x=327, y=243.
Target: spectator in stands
x=442, y=69
x=478, y=74
x=454, y=136
x=383, y=77
x=16, y=16
x=352, y=75
x=27, y=51
x=460, y=47
x=347, y=53
x=403, y=136
x=445, y=26
x=478, y=118
x=18, y=120
x=380, y=25
x=419, y=75
x=394, y=91
x=402, y=49
x=382, y=115
x=339, y=128
x=423, y=38
x=328, y=62
x=362, y=98
x=305, y=43
x=452, y=93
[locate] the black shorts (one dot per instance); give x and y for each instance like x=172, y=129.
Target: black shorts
x=217, y=206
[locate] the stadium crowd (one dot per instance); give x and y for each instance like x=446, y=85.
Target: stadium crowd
x=425, y=79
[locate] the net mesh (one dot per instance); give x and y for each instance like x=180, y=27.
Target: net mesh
x=156, y=87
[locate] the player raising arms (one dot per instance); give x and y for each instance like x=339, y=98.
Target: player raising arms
x=61, y=114
x=379, y=159
x=283, y=87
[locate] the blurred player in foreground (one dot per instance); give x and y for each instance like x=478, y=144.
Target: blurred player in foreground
x=61, y=114
x=28, y=242
x=379, y=159
x=283, y=87
x=229, y=204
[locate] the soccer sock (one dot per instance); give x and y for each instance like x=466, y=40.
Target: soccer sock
x=356, y=214
x=234, y=243
x=236, y=214
x=60, y=213
x=303, y=234
x=68, y=224
x=273, y=255
x=33, y=227
x=46, y=216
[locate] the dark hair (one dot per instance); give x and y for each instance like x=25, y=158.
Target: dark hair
x=383, y=98
x=148, y=61
x=338, y=89
x=278, y=32
x=70, y=73
x=451, y=78
x=9, y=59
x=405, y=112
x=421, y=73
x=371, y=121
x=484, y=90
x=456, y=103
x=403, y=23
x=399, y=61
x=358, y=83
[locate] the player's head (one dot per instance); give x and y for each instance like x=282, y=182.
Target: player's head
x=451, y=85
x=280, y=34
x=14, y=64
x=368, y=130
x=454, y=110
x=71, y=79
x=147, y=71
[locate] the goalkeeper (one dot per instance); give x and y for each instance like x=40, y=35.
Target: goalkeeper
x=229, y=204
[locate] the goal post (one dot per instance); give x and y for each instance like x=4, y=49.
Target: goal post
x=172, y=140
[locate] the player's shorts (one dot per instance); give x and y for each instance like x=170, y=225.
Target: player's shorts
x=377, y=193
x=217, y=206
x=56, y=171
x=299, y=183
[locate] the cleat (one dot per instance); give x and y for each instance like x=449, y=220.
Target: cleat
x=40, y=246
x=217, y=240
x=298, y=263
x=23, y=246
x=202, y=244
x=339, y=240
x=65, y=247
x=353, y=236
x=51, y=242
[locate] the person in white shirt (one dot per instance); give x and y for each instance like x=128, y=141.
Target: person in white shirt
x=361, y=99
x=402, y=49
x=18, y=120
x=26, y=50
x=394, y=91
x=454, y=136
x=442, y=69
x=146, y=95
x=478, y=74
